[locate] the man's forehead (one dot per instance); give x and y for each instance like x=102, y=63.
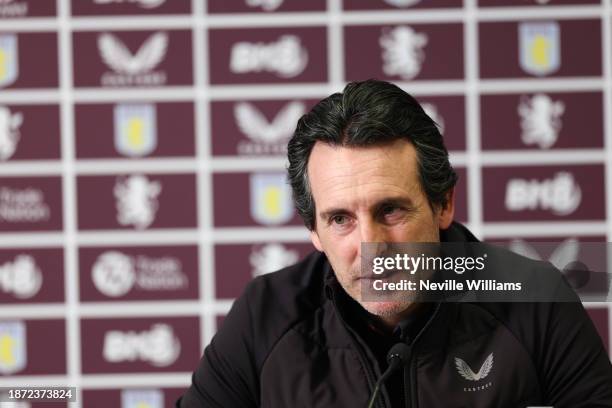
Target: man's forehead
x=338, y=174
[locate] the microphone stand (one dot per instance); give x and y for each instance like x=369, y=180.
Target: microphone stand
x=398, y=356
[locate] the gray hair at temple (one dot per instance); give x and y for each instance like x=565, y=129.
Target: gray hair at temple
x=369, y=113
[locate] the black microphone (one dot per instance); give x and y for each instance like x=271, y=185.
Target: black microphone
x=398, y=356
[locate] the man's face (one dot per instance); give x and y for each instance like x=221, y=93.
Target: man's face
x=369, y=194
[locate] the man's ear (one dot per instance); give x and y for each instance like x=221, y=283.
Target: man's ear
x=314, y=237
x=447, y=213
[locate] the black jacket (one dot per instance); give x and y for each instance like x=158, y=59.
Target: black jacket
x=288, y=342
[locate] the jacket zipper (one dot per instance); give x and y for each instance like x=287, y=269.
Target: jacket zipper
x=407, y=383
x=369, y=372
x=410, y=369
x=370, y=375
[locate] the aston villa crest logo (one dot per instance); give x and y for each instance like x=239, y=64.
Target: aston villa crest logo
x=402, y=51
x=153, y=398
x=540, y=120
x=270, y=199
x=12, y=347
x=136, y=200
x=135, y=129
x=540, y=48
x=9, y=60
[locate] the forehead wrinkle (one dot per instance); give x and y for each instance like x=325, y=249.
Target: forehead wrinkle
x=364, y=196
x=372, y=158
x=364, y=179
x=374, y=162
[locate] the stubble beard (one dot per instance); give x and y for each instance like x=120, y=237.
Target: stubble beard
x=388, y=305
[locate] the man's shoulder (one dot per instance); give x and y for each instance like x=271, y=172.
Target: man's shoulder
x=277, y=301
x=272, y=304
x=544, y=293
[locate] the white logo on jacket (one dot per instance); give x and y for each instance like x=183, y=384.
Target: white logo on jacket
x=286, y=57
x=9, y=132
x=402, y=51
x=540, y=120
x=466, y=372
x=158, y=346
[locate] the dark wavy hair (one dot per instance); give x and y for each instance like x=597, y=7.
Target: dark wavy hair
x=368, y=113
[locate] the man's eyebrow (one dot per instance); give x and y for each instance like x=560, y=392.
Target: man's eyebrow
x=398, y=201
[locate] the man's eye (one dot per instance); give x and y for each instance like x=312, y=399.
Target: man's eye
x=339, y=219
x=387, y=210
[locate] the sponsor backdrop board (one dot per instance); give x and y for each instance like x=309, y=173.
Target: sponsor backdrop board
x=142, y=158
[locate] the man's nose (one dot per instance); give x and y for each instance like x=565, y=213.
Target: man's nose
x=375, y=236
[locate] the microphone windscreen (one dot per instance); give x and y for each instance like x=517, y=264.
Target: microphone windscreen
x=401, y=351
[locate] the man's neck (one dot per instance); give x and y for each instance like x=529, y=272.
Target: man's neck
x=387, y=324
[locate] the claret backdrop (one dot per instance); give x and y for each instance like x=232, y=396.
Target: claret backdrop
x=142, y=149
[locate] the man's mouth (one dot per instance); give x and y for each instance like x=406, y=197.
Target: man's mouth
x=380, y=276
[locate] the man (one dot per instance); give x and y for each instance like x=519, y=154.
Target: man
x=368, y=165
